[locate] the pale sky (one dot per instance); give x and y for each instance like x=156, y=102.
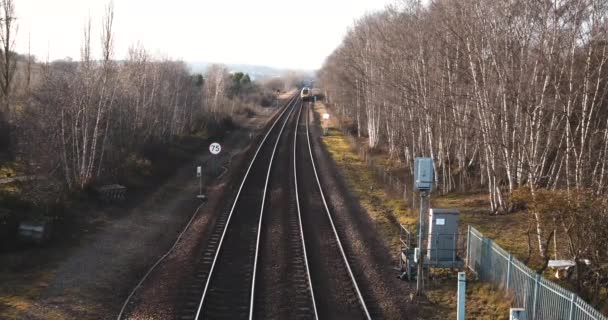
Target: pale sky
x=277, y=33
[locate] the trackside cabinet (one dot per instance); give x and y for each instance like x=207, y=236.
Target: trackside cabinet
x=423, y=174
x=443, y=236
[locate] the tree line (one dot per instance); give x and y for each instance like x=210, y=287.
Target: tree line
x=504, y=95
x=76, y=123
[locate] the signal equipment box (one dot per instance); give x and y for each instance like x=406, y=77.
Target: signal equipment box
x=443, y=235
x=423, y=174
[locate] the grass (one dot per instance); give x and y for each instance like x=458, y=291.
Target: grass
x=16, y=298
x=509, y=231
x=386, y=208
x=20, y=292
x=22, y=284
x=482, y=302
x=7, y=170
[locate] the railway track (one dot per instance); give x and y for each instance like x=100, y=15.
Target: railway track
x=221, y=287
x=283, y=287
x=337, y=292
x=276, y=253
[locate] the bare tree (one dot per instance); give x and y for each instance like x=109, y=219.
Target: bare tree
x=8, y=65
x=502, y=94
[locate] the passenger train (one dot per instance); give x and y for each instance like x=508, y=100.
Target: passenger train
x=306, y=94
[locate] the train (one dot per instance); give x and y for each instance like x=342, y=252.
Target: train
x=306, y=94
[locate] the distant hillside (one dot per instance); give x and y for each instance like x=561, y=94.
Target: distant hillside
x=255, y=72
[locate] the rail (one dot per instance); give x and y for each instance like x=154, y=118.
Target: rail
x=194, y=215
x=350, y=272
x=230, y=215
x=295, y=136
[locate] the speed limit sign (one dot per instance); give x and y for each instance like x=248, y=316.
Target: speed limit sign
x=215, y=148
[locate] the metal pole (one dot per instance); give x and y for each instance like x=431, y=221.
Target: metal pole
x=462, y=286
x=572, y=306
x=199, y=174
x=510, y=262
x=517, y=314
x=536, y=283
x=469, y=247
x=421, y=229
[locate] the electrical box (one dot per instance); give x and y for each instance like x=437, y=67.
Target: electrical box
x=423, y=174
x=443, y=235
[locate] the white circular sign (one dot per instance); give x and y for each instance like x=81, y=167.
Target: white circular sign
x=215, y=148
x=326, y=116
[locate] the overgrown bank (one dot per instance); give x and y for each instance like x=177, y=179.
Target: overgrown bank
x=506, y=97
x=387, y=208
x=87, y=271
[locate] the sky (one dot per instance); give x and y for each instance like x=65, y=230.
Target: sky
x=276, y=33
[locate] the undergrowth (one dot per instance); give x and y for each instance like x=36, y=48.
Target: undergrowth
x=387, y=209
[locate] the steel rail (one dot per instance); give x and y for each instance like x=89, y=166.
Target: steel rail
x=219, y=248
x=257, y=243
x=295, y=176
x=350, y=272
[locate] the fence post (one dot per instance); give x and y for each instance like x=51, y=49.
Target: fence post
x=535, y=299
x=509, y=271
x=462, y=285
x=516, y=314
x=468, y=262
x=572, y=306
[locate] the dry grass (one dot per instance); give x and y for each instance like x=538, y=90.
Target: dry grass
x=509, y=230
x=20, y=291
x=7, y=170
x=288, y=94
x=385, y=208
x=482, y=302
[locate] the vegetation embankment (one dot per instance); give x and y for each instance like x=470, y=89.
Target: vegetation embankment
x=73, y=126
x=514, y=105
x=386, y=208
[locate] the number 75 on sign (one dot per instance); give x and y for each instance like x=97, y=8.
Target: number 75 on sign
x=215, y=148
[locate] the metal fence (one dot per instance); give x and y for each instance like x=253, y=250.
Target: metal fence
x=541, y=298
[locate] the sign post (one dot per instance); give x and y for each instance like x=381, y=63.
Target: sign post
x=215, y=149
x=199, y=175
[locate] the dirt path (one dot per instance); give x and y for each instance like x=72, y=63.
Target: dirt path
x=94, y=278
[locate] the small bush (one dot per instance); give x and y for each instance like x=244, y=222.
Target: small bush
x=217, y=129
x=227, y=123
x=250, y=113
x=139, y=165
x=266, y=101
x=7, y=170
